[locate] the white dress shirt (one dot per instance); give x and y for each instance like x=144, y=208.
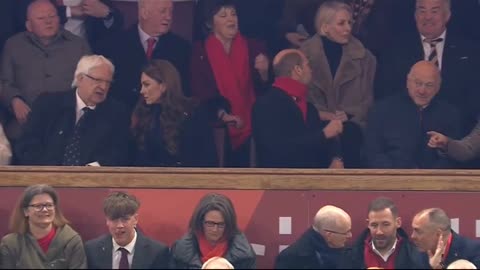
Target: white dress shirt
x=388, y=254
x=440, y=46
x=144, y=38
x=117, y=254
x=80, y=106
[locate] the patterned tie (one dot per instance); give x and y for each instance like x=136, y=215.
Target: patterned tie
x=124, y=259
x=150, y=46
x=433, y=57
x=71, y=156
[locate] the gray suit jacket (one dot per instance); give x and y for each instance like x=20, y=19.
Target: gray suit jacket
x=149, y=254
x=467, y=148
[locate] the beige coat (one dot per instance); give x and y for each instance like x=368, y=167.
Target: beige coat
x=351, y=90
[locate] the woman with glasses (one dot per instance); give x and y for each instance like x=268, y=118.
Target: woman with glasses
x=41, y=237
x=170, y=129
x=213, y=232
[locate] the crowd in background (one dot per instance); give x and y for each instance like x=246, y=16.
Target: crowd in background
x=369, y=84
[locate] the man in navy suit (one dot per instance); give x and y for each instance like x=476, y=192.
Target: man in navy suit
x=432, y=234
x=457, y=59
x=125, y=247
x=131, y=50
x=78, y=127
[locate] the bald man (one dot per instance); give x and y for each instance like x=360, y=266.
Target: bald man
x=287, y=130
x=397, y=127
x=432, y=234
x=151, y=38
x=41, y=59
x=322, y=245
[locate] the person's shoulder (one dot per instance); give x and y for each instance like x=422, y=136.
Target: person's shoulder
x=240, y=246
x=176, y=39
x=16, y=39
x=152, y=242
x=97, y=241
x=10, y=239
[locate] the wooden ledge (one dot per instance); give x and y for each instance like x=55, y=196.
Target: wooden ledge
x=243, y=179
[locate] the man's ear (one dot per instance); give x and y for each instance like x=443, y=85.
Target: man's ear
x=398, y=222
x=28, y=26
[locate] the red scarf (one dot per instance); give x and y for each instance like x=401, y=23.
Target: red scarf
x=45, y=241
x=234, y=81
x=295, y=89
x=208, y=251
x=447, y=247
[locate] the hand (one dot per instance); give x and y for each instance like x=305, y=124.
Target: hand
x=337, y=163
x=234, y=120
x=295, y=38
x=326, y=116
x=95, y=8
x=262, y=65
x=77, y=11
x=334, y=128
x=20, y=109
x=436, y=259
x=341, y=115
x=437, y=140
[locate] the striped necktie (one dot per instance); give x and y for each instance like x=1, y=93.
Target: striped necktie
x=433, y=57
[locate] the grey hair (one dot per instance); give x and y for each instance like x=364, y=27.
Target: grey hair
x=447, y=5
x=328, y=218
x=326, y=12
x=218, y=261
x=437, y=218
x=461, y=264
x=88, y=62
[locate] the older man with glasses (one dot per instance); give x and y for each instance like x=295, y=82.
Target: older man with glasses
x=322, y=245
x=78, y=127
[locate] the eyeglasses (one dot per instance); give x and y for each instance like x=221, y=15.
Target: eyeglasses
x=211, y=224
x=39, y=206
x=341, y=233
x=97, y=80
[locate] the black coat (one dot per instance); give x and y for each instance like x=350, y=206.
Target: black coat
x=149, y=254
x=460, y=79
x=283, y=139
x=127, y=54
x=310, y=251
x=396, y=136
x=463, y=248
x=408, y=257
x=50, y=126
x=196, y=144
x=186, y=253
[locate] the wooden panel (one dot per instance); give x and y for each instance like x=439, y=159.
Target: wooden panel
x=243, y=179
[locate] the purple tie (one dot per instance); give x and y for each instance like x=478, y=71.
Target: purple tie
x=124, y=259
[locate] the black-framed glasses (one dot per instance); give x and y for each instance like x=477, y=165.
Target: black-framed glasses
x=39, y=206
x=211, y=224
x=97, y=80
x=336, y=232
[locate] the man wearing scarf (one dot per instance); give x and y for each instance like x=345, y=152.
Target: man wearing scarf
x=322, y=245
x=287, y=129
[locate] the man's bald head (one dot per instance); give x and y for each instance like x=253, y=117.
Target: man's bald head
x=42, y=20
x=155, y=16
x=334, y=224
x=292, y=63
x=423, y=83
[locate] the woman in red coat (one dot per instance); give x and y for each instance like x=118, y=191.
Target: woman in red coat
x=229, y=69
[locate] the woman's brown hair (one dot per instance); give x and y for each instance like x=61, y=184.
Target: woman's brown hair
x=19, y=222
x=174, y=105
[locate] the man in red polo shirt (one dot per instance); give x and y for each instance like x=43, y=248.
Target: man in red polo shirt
x=384, y=244
x=432, y=233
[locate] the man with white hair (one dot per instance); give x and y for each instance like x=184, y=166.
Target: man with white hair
x=77, y=127
x=217, y=263
x=151, y=39
x=322, y=245
x=461, y=264
x=433, y=234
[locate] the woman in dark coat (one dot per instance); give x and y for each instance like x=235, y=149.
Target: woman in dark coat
x=169, y=129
